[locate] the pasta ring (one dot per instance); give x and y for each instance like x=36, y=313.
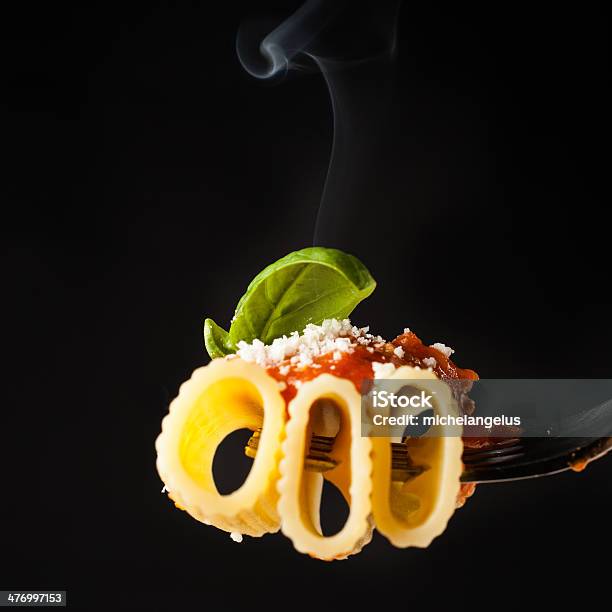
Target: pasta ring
x=415, y=512
x=299, y=496
x=220, y=398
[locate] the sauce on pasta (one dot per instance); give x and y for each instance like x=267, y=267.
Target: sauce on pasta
x=357, y=365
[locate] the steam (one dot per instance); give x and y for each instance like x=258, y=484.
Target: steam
x=284, y=45
x=353, y=45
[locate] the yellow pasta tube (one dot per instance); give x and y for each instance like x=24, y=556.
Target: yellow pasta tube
x=413, y=513
x=299, y=499
x=222, y=397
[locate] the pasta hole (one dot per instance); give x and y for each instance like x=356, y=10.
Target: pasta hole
x=408, y=391
x=230, y=465
x=419, y=430
x=334, y=510
x=325, y=417
x=324, y=425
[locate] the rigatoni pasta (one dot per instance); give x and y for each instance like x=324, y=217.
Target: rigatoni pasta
x=349, y=451
x=415, y=511
x=220, y=398
x=300, y=394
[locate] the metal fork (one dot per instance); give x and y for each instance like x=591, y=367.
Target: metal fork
x=520, y=458
x=573, y=447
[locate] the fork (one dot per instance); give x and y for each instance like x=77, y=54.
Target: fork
x=520, y=458
x=517, y=458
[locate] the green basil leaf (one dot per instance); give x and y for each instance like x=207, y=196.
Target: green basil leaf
x=306, y=286
x=216, y=340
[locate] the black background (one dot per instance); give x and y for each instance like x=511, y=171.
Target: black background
x=148, y=178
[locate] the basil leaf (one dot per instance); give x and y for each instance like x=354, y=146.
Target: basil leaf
x=306, y=286
x=216, y=340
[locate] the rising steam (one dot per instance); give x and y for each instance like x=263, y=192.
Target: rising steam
x=352, y=44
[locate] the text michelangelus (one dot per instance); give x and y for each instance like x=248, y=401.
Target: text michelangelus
x=385, y=399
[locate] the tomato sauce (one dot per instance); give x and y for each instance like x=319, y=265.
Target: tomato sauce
x=357, y=366
x=415, y=351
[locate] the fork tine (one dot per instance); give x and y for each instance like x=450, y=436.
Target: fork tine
x=531, y=458
x=477, y=455
x=493, y=460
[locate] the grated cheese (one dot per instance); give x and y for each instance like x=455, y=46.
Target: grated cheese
x=382, y=370
x=332, y=336
x=236, y=536
x=447, y=351
x=430, y=362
